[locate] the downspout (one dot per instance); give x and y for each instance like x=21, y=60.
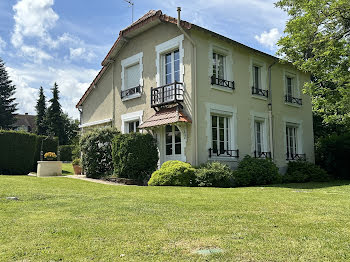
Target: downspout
x=194, y=86
x=111, y=61
x=270, y=112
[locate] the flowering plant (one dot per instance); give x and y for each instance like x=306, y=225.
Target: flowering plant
x=50, y=156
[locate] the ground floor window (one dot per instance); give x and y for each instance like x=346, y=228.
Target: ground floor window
x=259, y=136
x=291, y=136
x=220, y=134
x=172, y=140
x=132, y=126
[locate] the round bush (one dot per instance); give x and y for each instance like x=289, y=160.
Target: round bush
x=66, y=152
x=135, y=156
x=96, y=148
x=256, y=171
x=303, y=171
x=174, y=173
x=214, y=174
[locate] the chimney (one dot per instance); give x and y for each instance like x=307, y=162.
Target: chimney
x=178, y=15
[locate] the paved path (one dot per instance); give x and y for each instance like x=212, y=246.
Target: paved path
x=83, y=177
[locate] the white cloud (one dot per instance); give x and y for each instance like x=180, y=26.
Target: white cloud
x=2, y=45
x=37, y=54
x=269, y=39
x=81, y=53
x=33, y=18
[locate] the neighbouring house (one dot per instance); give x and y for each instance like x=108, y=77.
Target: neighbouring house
x=203, y=96
x=24, y=123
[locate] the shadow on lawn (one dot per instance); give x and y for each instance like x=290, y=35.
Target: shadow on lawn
x=313, y=185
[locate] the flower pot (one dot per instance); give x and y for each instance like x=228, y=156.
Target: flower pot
x=77, y=169
x=49, y=168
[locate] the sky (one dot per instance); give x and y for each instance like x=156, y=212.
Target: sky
x=64, y=41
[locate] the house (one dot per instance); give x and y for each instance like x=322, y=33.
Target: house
x=24, y=123
x=203, y=96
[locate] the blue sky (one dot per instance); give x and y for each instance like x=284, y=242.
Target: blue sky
x=64, y=41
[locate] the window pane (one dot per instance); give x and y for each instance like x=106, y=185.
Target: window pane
x=177, y=149
x=221, y=122
x=131, y=127
x=222, y=147
x=215, y=146
x=177, y=76
x=256, y=77
x=168, y=79
x=221, y=135
x=220, y=66
x=169, y=150
x=137, y=124
x=214, y=133
x=177, y=135
x=168, y=58
x=214, y=121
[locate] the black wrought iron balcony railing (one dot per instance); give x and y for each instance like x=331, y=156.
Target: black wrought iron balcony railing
x=222, y=82
x=300, y=157
x=262, y=154
x=223, y=153
x=130, y=91
x=293, y=100
x=167, y=94
x=260, y=92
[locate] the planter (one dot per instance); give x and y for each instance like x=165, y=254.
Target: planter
x=49, y=168
x=77, y=169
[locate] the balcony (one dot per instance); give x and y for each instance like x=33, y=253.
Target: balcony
x=260, y=92
x=262, y=154
x=222, y=82
x=298, y=157
x=223, y=153
x=167, y=94
x=131, y=92
x=293, y=100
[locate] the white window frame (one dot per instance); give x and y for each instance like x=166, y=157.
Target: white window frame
x=130, y=117
x=226, y=111
x=228, y=65
x=173, y=142
x=299, y=125
x=263, y=76
x=227, y=135
x=130, y=61
x=263, y=118
x=295, y=85
x=164, y=48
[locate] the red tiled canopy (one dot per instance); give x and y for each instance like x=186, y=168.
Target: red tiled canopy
x=164, y=117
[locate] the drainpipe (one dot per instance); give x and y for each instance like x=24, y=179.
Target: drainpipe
x=270, y=112
x=194, y=86
x=111, y=61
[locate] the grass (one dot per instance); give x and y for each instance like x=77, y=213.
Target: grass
x=67, y=169
x=63, y=219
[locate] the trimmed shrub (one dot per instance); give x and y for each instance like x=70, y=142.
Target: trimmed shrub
x=214, y=174
x=174, y=173
x=303, y=171
x=66, y=152
x=17, y=152
x=332, y=154
x=96, y=148
x=256, y=171
x=135, y=156
x=50, y=144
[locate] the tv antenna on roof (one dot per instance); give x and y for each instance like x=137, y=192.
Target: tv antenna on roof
x=131, y=4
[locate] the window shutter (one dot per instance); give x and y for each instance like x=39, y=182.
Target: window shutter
x=132, y=76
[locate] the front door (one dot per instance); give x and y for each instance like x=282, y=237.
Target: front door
x=173, y=149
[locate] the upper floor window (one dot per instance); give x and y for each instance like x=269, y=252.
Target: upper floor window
x=218, y=66
x=171, y=71
x=257, y=77
x=131, y=76
x=258, y=87
x=291, y=90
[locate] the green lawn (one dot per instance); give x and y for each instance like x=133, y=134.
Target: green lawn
x=63, y=219
x=67, y=169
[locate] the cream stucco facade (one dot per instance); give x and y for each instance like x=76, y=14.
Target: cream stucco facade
x=144, y=53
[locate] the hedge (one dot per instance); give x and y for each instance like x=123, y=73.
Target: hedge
x=50, y=144
x=303, y=171
x=215, y=174
x=17, y=152
x=135, y=156
x=66, y=152
x=96, y=148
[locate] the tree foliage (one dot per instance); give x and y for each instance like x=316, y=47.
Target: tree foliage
x=7, y=101
x=54, y=116
x=317, y=40
x=41, y=125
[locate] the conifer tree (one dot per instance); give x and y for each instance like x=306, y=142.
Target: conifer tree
x=7, y=101
x=55, y=122
x=41, y=125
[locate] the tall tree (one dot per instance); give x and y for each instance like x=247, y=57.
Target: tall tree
x=41, y=124
x=7, y=102
x=317, y=40
x=71, y=128
x=55, y=122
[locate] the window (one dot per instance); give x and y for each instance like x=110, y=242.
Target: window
x=257, y=77
x=132, y=76
x=132, y=126
x=218, y=66
x=171, y=67
x=172, y=140
x=259, y=137
x=291, y=90
x=220, y=134
x=289, y=86
x=291, y=136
